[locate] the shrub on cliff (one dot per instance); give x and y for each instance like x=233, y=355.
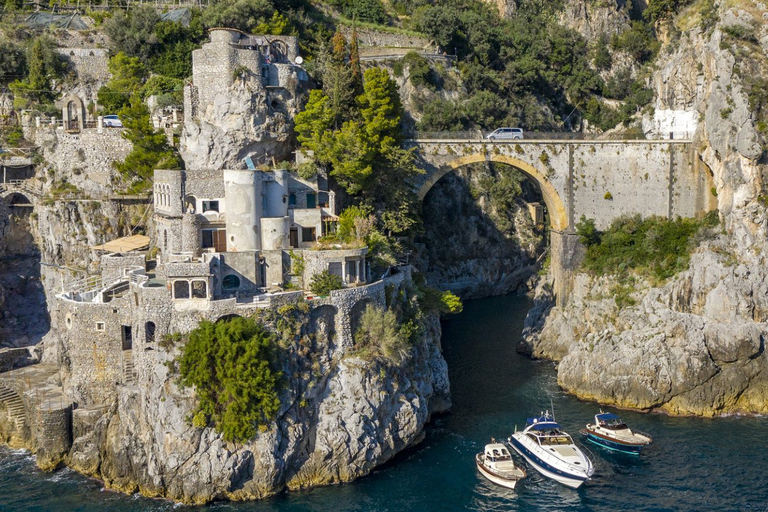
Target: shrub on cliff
x=655, y=247
x=325, y=282
x=232, y=365
x=380, y=334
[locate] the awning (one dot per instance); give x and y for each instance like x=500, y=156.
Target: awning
x=124, y=244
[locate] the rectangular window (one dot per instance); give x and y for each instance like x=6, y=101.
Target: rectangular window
x=199, y=289
x=311, y=201
x=351, y=271
x=181, y=290
x=308, y=235
x=210, y=206
x=99, y=326
x=335, y=269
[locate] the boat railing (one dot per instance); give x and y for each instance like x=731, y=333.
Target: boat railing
x=519, y=472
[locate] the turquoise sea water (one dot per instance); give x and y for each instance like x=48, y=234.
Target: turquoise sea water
x=694, y=464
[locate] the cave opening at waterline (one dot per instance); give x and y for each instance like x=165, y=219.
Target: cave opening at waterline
x=23, y=312
x=485, y=230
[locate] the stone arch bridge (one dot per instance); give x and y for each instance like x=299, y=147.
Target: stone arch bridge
x=600, y=179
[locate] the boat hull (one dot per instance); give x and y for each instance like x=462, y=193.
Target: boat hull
x=504, y=482
x=612, y=444
x=549, y=471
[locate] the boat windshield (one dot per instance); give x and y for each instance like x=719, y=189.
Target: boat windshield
x=613, y=424
x=553, y=437
x=498, y=455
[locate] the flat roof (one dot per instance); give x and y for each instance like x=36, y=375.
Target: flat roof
x=124, y=244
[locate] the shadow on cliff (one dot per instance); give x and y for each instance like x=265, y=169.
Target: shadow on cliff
x=24, y=318
x=479, y=238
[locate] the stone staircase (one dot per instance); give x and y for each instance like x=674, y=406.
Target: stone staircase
x=129, y=373
x=12, y=402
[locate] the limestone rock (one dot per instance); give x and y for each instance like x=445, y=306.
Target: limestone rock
x=696, y=344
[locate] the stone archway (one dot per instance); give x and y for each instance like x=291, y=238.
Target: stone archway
x=73, y=113
x=558, y=214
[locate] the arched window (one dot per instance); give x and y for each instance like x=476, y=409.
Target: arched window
x=230, y=282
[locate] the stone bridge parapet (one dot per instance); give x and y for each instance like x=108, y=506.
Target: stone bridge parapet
x=597, y=179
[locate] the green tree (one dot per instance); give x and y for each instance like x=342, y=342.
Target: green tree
x=13, y=65
x=232, y=365
x=150, y=149
x=243, y=15
x=128, y=75
x=44, y=66
x=133, y=31
x=588, y=233
x=324, y=283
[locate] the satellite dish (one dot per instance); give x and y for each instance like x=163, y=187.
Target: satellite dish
x=299, y=60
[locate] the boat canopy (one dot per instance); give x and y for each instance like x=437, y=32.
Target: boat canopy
x=605, y=416
x=543, y=424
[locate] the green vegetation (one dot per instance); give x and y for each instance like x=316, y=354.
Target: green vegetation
x=150, y=147
x=653, y=247
x=128, y=76
x=353, y=127
x=44, y=66
x=513, y=67
x=324, y=283
x=371, y=11
x=232, y=365
x=662, y=10
x=13, y=65
x=380, y=334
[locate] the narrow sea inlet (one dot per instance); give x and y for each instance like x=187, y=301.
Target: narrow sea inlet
x=693, y=464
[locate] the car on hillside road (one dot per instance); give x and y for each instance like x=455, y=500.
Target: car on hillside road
x=112, y=121
x=505, y=134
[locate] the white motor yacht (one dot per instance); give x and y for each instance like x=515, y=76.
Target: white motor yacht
x=551, y=451
x=496, y=464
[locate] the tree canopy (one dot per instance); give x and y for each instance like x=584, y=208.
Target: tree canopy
x=232, y=364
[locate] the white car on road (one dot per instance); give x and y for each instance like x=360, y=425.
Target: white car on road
x=506, y=133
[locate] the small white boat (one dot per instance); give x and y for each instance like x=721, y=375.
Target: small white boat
x=496, y=464
x=610, y=432
x=551, y=451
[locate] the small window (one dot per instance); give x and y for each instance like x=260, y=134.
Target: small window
x=181, y=290
x=335, y=269
x=210, y=206
x=149, y=332
x=292, y=200
x=311, y=200
x=230, y=282
x=308, y=234
x=199, y=289
x=99, y=326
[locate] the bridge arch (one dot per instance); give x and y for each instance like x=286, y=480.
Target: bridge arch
x=558, y=215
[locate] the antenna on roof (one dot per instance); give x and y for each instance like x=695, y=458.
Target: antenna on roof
x=552, y=405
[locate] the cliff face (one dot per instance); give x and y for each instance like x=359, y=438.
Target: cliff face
x=696, y=344
x=341, y=416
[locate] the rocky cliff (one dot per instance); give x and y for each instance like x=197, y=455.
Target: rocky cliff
x=341, y=416
x=695, y=344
